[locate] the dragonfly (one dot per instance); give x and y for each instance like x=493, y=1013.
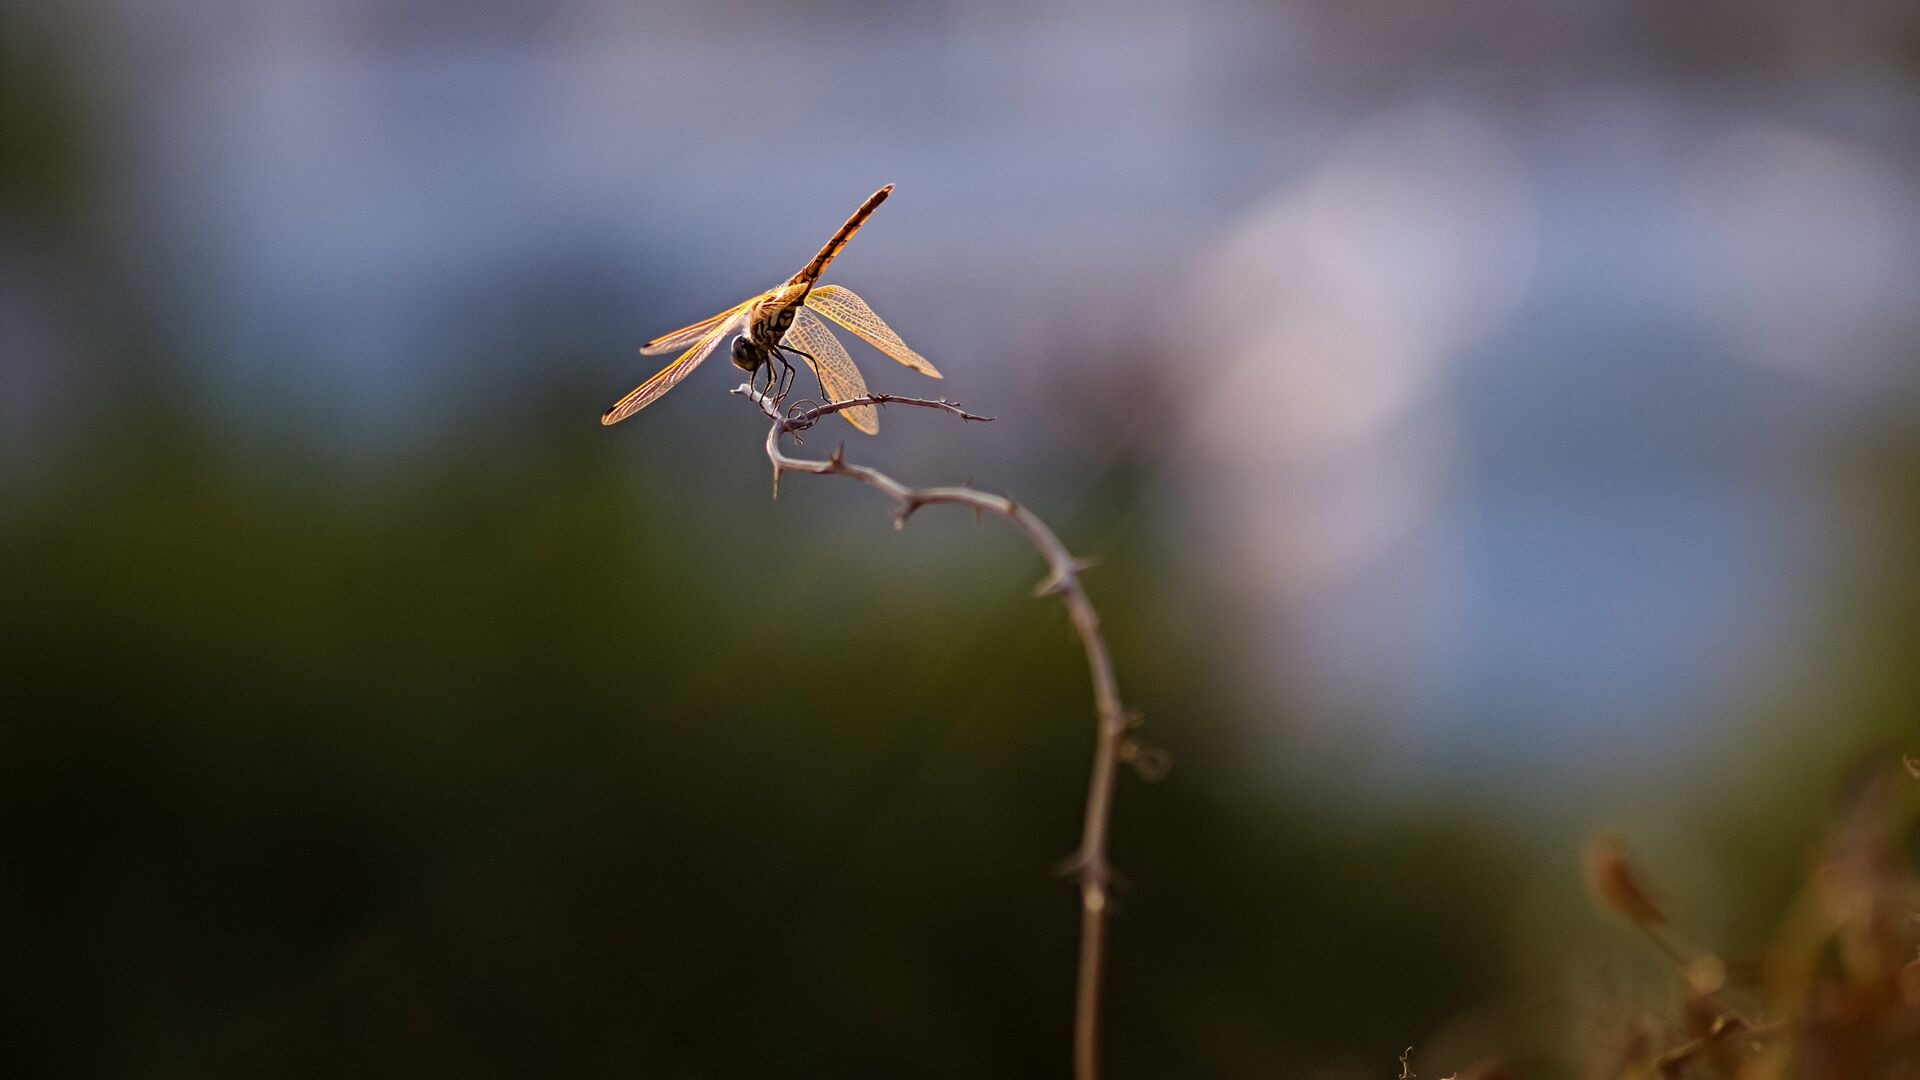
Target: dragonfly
x=788, y=319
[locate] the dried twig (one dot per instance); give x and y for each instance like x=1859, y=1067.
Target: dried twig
x=1089, y=864
x=1723, y=1029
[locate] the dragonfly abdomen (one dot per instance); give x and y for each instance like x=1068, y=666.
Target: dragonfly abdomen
x=811, y=272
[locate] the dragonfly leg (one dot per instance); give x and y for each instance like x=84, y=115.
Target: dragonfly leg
x=792, y=372
x=773, y=380
x=777, y=377
x=815, y=364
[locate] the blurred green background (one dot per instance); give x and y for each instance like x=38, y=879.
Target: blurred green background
x=369, y=709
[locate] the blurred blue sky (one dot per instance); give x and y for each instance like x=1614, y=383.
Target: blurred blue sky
x=1500, y=364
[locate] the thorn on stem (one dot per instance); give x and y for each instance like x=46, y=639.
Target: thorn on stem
x=1053, y=584
x=1086, y=869
x=1150, y=763
x=908, y=505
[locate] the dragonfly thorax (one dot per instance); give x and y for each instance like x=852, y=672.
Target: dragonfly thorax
x=764, y=331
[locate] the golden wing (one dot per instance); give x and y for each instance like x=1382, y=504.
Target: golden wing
x=668, y=377
x=838, y=377
x=687, y=335
x=850, y=311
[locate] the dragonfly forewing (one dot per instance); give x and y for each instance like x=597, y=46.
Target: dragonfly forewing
x=838, y=376
x=668, y=377
x=843, y=307
x=687, y=335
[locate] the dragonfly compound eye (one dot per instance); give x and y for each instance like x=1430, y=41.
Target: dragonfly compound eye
x=745, y=356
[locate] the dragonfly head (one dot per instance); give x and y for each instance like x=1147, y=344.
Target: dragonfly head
x=745, y=356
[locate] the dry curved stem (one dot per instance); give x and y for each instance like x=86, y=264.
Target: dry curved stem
x=1089, y=864
x=1724, y=1029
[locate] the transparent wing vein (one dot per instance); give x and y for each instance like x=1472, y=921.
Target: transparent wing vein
x=668, y=377
x=843, y=307
x=838, y=377
x=688, y=335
